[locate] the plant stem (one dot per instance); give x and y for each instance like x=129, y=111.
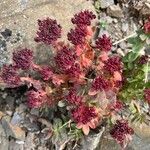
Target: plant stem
x=63, y=125
x=146, y=73
x=124, y=39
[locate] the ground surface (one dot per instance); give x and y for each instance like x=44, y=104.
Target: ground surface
x=20, y=128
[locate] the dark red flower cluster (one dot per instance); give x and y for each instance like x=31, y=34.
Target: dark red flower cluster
x=83, y=18
x=100, y=83
x=65, y=58
x=113, y=64
x=147, y=95
x=78, y=35
x=143, y=59
x=73, y=98
x=46, y=73
x=36, y=99
x=23, y=59
x=74, y=71
x=117, y=106
x=104, y=43
x=147, y=27
x=10, y=76
x=49, y=31
x=120, y=130
x=84, y=114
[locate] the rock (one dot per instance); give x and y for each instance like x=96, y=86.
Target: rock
x=91, y=142
x=146, y=8
x=115, y=11
x=143, y=131
x=1, y=114
x=29, y=141
x=7, y=33
x=22, y=108
x=16, y=119
x=123, y=45
x=31, y=126
x=13, y=145
x=139, y=144
x=143, y=7
x=106, y=3
x=10, y=100
x=125, y=27
x=34, y=111
x=12, y=130
x=4, y=143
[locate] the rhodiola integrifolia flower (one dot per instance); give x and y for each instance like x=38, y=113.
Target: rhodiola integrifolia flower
x=113, y=64
x=36, y=99
x=77, y=36
x=23, y=58
x=84, y=114
x=46, y=72
x=65, y=58
x=49, y=31
x=73, y=97
x=121, y=131
x=117, y=106
x=104, y=43
x=83, y=18
x=74, y=71
x=147, y=27
x=100, y=83
x=10, y=76
x=147, y=95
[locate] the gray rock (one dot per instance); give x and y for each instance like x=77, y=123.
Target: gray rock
x=13, y=145
x=16, y=119
x=34, y=111
x=30, y=126
x=106, y=3
x=12, y=130
x=143, y=7
x=4, y=143
x=91, y=142
x=115, y=11
x=139, y=144
x=29, y=141
x=125, y=27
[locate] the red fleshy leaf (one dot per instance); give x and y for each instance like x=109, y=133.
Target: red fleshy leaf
x=92, y=92
x=57, y=79
x=85, y=129
x=117, y=76
x=103, y=56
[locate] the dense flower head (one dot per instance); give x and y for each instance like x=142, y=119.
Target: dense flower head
x=147, y=27
x=83, y=18
x=100, y=83
x=49, y=31
x=147, y=95
x=118, y=105
x=65, y=58
x=84, y=114
x=143, y=59
x=23, y=58
x=113, y=64
x=46, y=73
x=74, y=71
x=73, y=97
x=104, y=43
x=10, y=76
x=121, y=130
x=78, y=35
x=36, y=99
